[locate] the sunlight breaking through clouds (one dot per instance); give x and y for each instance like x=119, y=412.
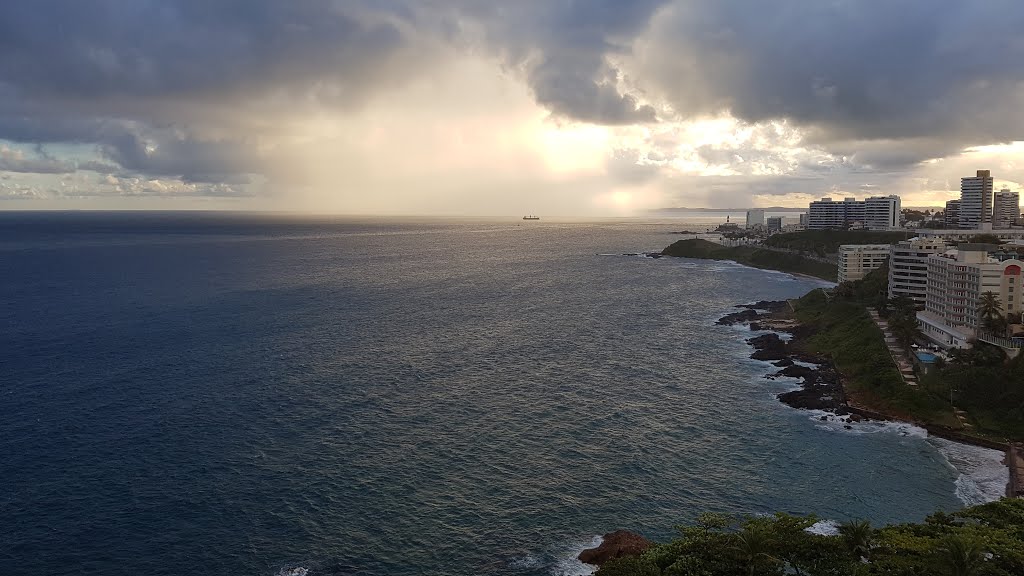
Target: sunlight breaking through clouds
x=494, y=108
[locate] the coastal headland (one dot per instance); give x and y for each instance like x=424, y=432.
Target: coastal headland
x=757, y=257
x=840, y=359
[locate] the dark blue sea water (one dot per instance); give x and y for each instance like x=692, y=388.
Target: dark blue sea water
x=203, y=394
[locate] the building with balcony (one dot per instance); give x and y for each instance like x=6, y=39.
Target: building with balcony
x=976, y=200
x=874, y=213
x=956, y=281
x=856, y=260
x=882, y=212
x=908, y=268
x=1005, y=209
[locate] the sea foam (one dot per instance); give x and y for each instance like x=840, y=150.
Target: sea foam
x=568, y=563
x=983, y=473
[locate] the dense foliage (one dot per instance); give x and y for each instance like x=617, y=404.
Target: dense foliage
x=978, y=380
x=752, y=256
x=990, y=389
x=822, y=242
x=842, y=329
x=986, y=540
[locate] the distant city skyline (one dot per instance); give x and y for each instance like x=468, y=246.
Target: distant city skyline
x=555, y=108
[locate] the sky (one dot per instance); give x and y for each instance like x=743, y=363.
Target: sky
x=477, y=107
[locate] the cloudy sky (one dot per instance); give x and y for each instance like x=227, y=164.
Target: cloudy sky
x=572, y=107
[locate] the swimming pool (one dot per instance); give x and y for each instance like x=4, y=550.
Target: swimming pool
x=926, y=357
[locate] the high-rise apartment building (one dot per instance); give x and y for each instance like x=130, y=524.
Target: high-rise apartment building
x=1005, y=209
x=908, y=268
x=856, y=260
x=952, y=215
x=875, y=213
x=976, y=200
x=882, y=212
x=755, y=218
x=956, y=281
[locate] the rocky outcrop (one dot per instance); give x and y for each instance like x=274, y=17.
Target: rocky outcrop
x=768, y=347
x=747, y=315
x=615, y=545
x=767, y=305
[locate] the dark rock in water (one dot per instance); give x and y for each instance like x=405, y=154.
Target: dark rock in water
x=738, y=317
x=823, y=418
x=848, y=427
x=615, y=545
x=767, y=305
x=768, y=347
x=783, y=363
x=810, y=375
x=856, y=418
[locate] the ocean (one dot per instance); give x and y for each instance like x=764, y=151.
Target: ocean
x=239, y=394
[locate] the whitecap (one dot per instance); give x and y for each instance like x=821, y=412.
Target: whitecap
x=983, y=475
x=569, y=565
x=296, y=571
x=834, y=423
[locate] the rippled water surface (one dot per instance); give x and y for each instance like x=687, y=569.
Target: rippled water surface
x=236, y=395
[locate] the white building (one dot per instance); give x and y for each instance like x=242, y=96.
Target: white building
x=856, y=260
x=976, y=200
x=755, y=218
x=1005, y=209
x=875, y=213
x=956, y=281
x=882, y=212
x=908, y=268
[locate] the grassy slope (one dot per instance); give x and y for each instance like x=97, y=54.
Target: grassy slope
x=828, y=241
x=846, y=333
x=751, y=256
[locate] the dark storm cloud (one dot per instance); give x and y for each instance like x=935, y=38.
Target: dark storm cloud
x=72, y=50
x=850, y=71
x=564, y=48
x=883, y=83
x=116, y=73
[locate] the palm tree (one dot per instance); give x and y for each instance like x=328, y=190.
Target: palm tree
x=858, y=536
x=905, y=329
x=752, y=545
x=989, y=311
x=962, y=555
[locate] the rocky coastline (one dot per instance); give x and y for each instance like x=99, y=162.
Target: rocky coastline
x=820, y=383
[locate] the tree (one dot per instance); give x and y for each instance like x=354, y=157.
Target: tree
x=753, y=545
x=905, y=329
x=858, y=536
x=990, y=312
x=963, y=556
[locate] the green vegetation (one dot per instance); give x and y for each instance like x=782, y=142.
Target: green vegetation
x=978, y=381
x=822, y=242
x=842, y=329
x=986, y=540
x=988, y=388
x=752, y=256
